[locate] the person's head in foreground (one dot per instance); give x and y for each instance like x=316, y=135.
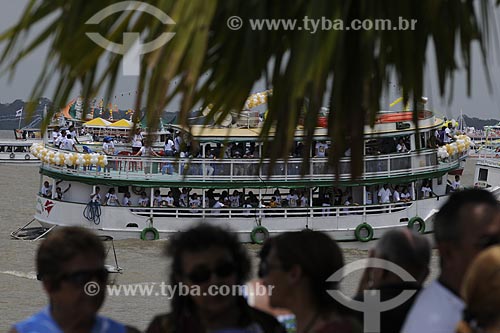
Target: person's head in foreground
x=467, y=223
x=405, y=248
x=70, y=264
x=210, y=262
x=298, y=265
x=481, y=293
x=408, y=251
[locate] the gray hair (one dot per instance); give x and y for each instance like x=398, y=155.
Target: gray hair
x=405, y=248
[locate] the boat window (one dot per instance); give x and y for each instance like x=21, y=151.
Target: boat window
x=483, y=175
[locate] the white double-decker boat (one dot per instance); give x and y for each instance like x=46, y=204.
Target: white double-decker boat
x=344, y=208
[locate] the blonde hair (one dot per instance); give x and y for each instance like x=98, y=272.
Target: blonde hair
x=481, y=292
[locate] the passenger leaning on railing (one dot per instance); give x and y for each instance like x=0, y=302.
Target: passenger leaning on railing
x=137, y=141
x=143, y=200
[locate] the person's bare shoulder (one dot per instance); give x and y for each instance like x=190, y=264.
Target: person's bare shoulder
x=13, y=330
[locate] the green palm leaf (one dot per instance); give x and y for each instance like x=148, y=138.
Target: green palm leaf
x=216, y=65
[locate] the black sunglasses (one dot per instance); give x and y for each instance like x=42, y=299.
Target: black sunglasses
x=203, y=273
x=80, y=278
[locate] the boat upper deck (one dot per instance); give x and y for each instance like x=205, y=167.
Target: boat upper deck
x=233, y=173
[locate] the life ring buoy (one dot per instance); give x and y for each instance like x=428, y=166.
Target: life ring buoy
x=360, y=228
x=259, y=230
x=12, y=155
x=137, y=190
x=27, y=157
x=150, y=233
x=419, y=221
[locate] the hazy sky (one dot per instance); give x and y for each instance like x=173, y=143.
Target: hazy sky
x=481, y=104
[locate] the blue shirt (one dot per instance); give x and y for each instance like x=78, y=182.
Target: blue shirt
x=42, y=322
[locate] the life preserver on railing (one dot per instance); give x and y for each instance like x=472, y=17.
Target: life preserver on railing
x=259, y=230
x=12, y=155
x=137, y=190
x=419, y=221
x=27, y=157
x=150, y=233
x=360, y=228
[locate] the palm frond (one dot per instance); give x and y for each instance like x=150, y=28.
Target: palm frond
x=219, y=66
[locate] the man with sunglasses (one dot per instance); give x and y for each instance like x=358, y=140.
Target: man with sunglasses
x=70, y=264
x=467, y=223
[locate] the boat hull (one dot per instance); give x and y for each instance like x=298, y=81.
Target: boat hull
x=18, y=158
x=337, y=222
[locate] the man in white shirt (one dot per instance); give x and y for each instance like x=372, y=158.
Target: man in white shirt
x=321, y=148
x=55, y=134
x=217, y=206
x=69, y=144
x=235, y=199
x=177, y=142
x=384, y=194
x=426, y=190
x=157, y=198
x=72, y=131
x=96, y=196
x=137, y=141
x=169, y=199
x=60, y=139
x=455, y=185
x=169, y=147
x=143, y=200
x=396, y=195
x=401, y=147
x=112, y=198
x=448, y=133
x=195, y=202
x=292, y=198
x=466, y=224
x=108, y=146
x=46, y=190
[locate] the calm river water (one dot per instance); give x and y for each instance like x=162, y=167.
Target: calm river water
x=21, y=294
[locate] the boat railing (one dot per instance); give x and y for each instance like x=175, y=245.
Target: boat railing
x=488, y=161
x=170, y=169
x=265, y=212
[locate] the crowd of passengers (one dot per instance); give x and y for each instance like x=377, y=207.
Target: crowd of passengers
x=176, y=146
x=294, y=288
x=300, y=197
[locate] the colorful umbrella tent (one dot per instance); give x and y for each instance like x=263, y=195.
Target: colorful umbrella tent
x=120, y=128
x=122, y=123
x=97, y=122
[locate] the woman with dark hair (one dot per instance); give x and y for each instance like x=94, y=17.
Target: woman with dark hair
x=298, y=265
x=209, y=261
